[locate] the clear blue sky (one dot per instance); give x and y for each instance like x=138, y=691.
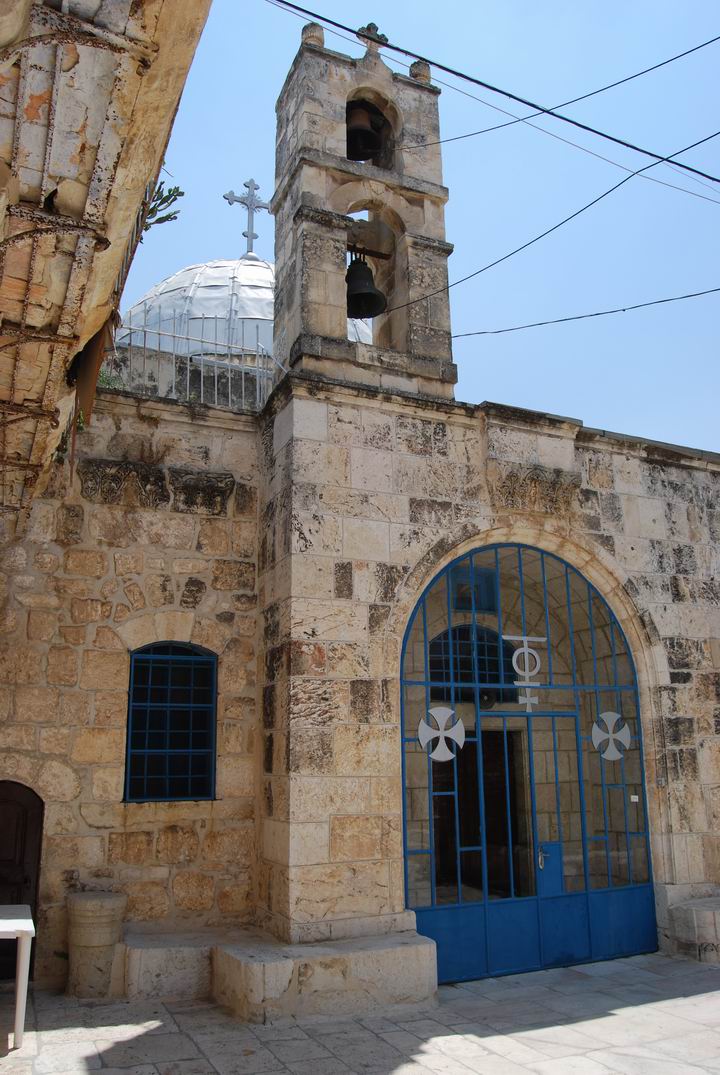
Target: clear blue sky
x=653, y=373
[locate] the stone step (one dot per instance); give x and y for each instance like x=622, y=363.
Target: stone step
x=696, y=926
x=261, y=979
x=175, y=965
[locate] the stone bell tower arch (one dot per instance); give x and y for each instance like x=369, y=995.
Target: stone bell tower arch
x=318, y=187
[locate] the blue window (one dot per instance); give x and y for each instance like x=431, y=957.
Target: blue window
x=481, y=580
x=171, y=723
x=455, y=648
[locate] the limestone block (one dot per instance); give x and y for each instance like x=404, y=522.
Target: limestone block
x=108, y=783
x=347, y=660
x=317, y=798
x=177, y=844
x=229, y=845
x=103, y=670
x=340, y=621
x=134, y=848
x=98, y=745
x=263, y=980
x=313, y=576
x=193, y=891
x=245, y=500
x=233, y=575
x=213, y=537
x=301, y=418
x=159, y=590
x=87, y=562
x=236, y=668
x=643, y=516
x=235, y=778
x=89, y=610
x=62, y=665
x=353, y=838
x=175, y=626
x=54, y=740
x=366, y=540
x=367, y=749
x=147, y=900
x=234, y=897
x=129, y=563
x=41, y=625
x=371, y=469
x=36, y=704
x=24, y=664
x=111, y=708
x=210, y=634
x=175, y=968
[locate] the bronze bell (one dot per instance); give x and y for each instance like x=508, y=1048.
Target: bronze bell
x=363, y=141
x=363, y=298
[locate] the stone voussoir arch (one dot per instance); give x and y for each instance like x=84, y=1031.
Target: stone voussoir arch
x=153, y=627
x=596, y=565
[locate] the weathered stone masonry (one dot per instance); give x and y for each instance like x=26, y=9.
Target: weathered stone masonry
x=295, y=545
x=386, y=490
x=152, y=539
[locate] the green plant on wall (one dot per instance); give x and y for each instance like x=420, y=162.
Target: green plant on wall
x=160, y=210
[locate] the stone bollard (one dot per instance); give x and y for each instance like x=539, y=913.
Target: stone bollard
x=94, y=924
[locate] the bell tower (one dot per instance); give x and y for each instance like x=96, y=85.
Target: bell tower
x=358, y=176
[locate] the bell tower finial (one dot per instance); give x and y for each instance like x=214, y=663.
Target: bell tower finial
x=371, y=37
x=252, y=204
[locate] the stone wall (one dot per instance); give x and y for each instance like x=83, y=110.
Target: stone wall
x=149, y=536
x=346, y=500
x=365, y=496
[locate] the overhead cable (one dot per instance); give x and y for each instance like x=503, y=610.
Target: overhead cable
x=572, y=101
x=521, y=119
x=549, y=231
x=504, y=93
x=582, y=317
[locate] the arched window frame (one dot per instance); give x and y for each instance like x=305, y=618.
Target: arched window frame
x=454, y=645
x=151, y=669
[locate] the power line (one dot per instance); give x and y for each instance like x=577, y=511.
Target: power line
x=505, y=93
x=582, y=317
x=573, y=100
x=521, y=119
x=549, y=231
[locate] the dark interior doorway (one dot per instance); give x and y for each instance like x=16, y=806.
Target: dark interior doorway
x=21, y=824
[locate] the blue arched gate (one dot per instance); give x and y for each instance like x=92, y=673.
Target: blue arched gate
x=525, y=815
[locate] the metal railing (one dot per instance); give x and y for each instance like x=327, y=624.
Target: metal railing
x=156, y=364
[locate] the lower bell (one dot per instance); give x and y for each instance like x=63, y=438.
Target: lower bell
x=363, y=298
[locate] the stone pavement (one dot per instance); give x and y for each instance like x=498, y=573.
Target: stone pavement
x=649, y=1014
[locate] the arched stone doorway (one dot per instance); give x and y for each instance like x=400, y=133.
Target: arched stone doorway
x=526, y=837
x=21, y=824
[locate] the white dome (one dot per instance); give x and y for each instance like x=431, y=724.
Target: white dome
x=224, y=303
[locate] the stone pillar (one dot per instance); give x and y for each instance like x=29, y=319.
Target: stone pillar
x=94, y=924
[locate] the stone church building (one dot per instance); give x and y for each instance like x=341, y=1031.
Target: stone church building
x=344, y=686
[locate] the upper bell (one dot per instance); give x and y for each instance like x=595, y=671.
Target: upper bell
x=363, y=141
x=363, y=298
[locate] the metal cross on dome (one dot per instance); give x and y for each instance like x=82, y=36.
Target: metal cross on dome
x=252, y=204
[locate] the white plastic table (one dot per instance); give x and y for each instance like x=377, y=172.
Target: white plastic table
x=16, y=923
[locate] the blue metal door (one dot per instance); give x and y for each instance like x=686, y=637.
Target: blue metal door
x=525, y=818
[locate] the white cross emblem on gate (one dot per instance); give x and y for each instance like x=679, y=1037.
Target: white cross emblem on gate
x=441, y=716
x=608, y=735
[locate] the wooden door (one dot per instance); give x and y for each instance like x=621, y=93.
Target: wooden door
x=21, y=820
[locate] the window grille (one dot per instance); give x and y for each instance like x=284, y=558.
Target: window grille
x=456, y=645
x=171, y=723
